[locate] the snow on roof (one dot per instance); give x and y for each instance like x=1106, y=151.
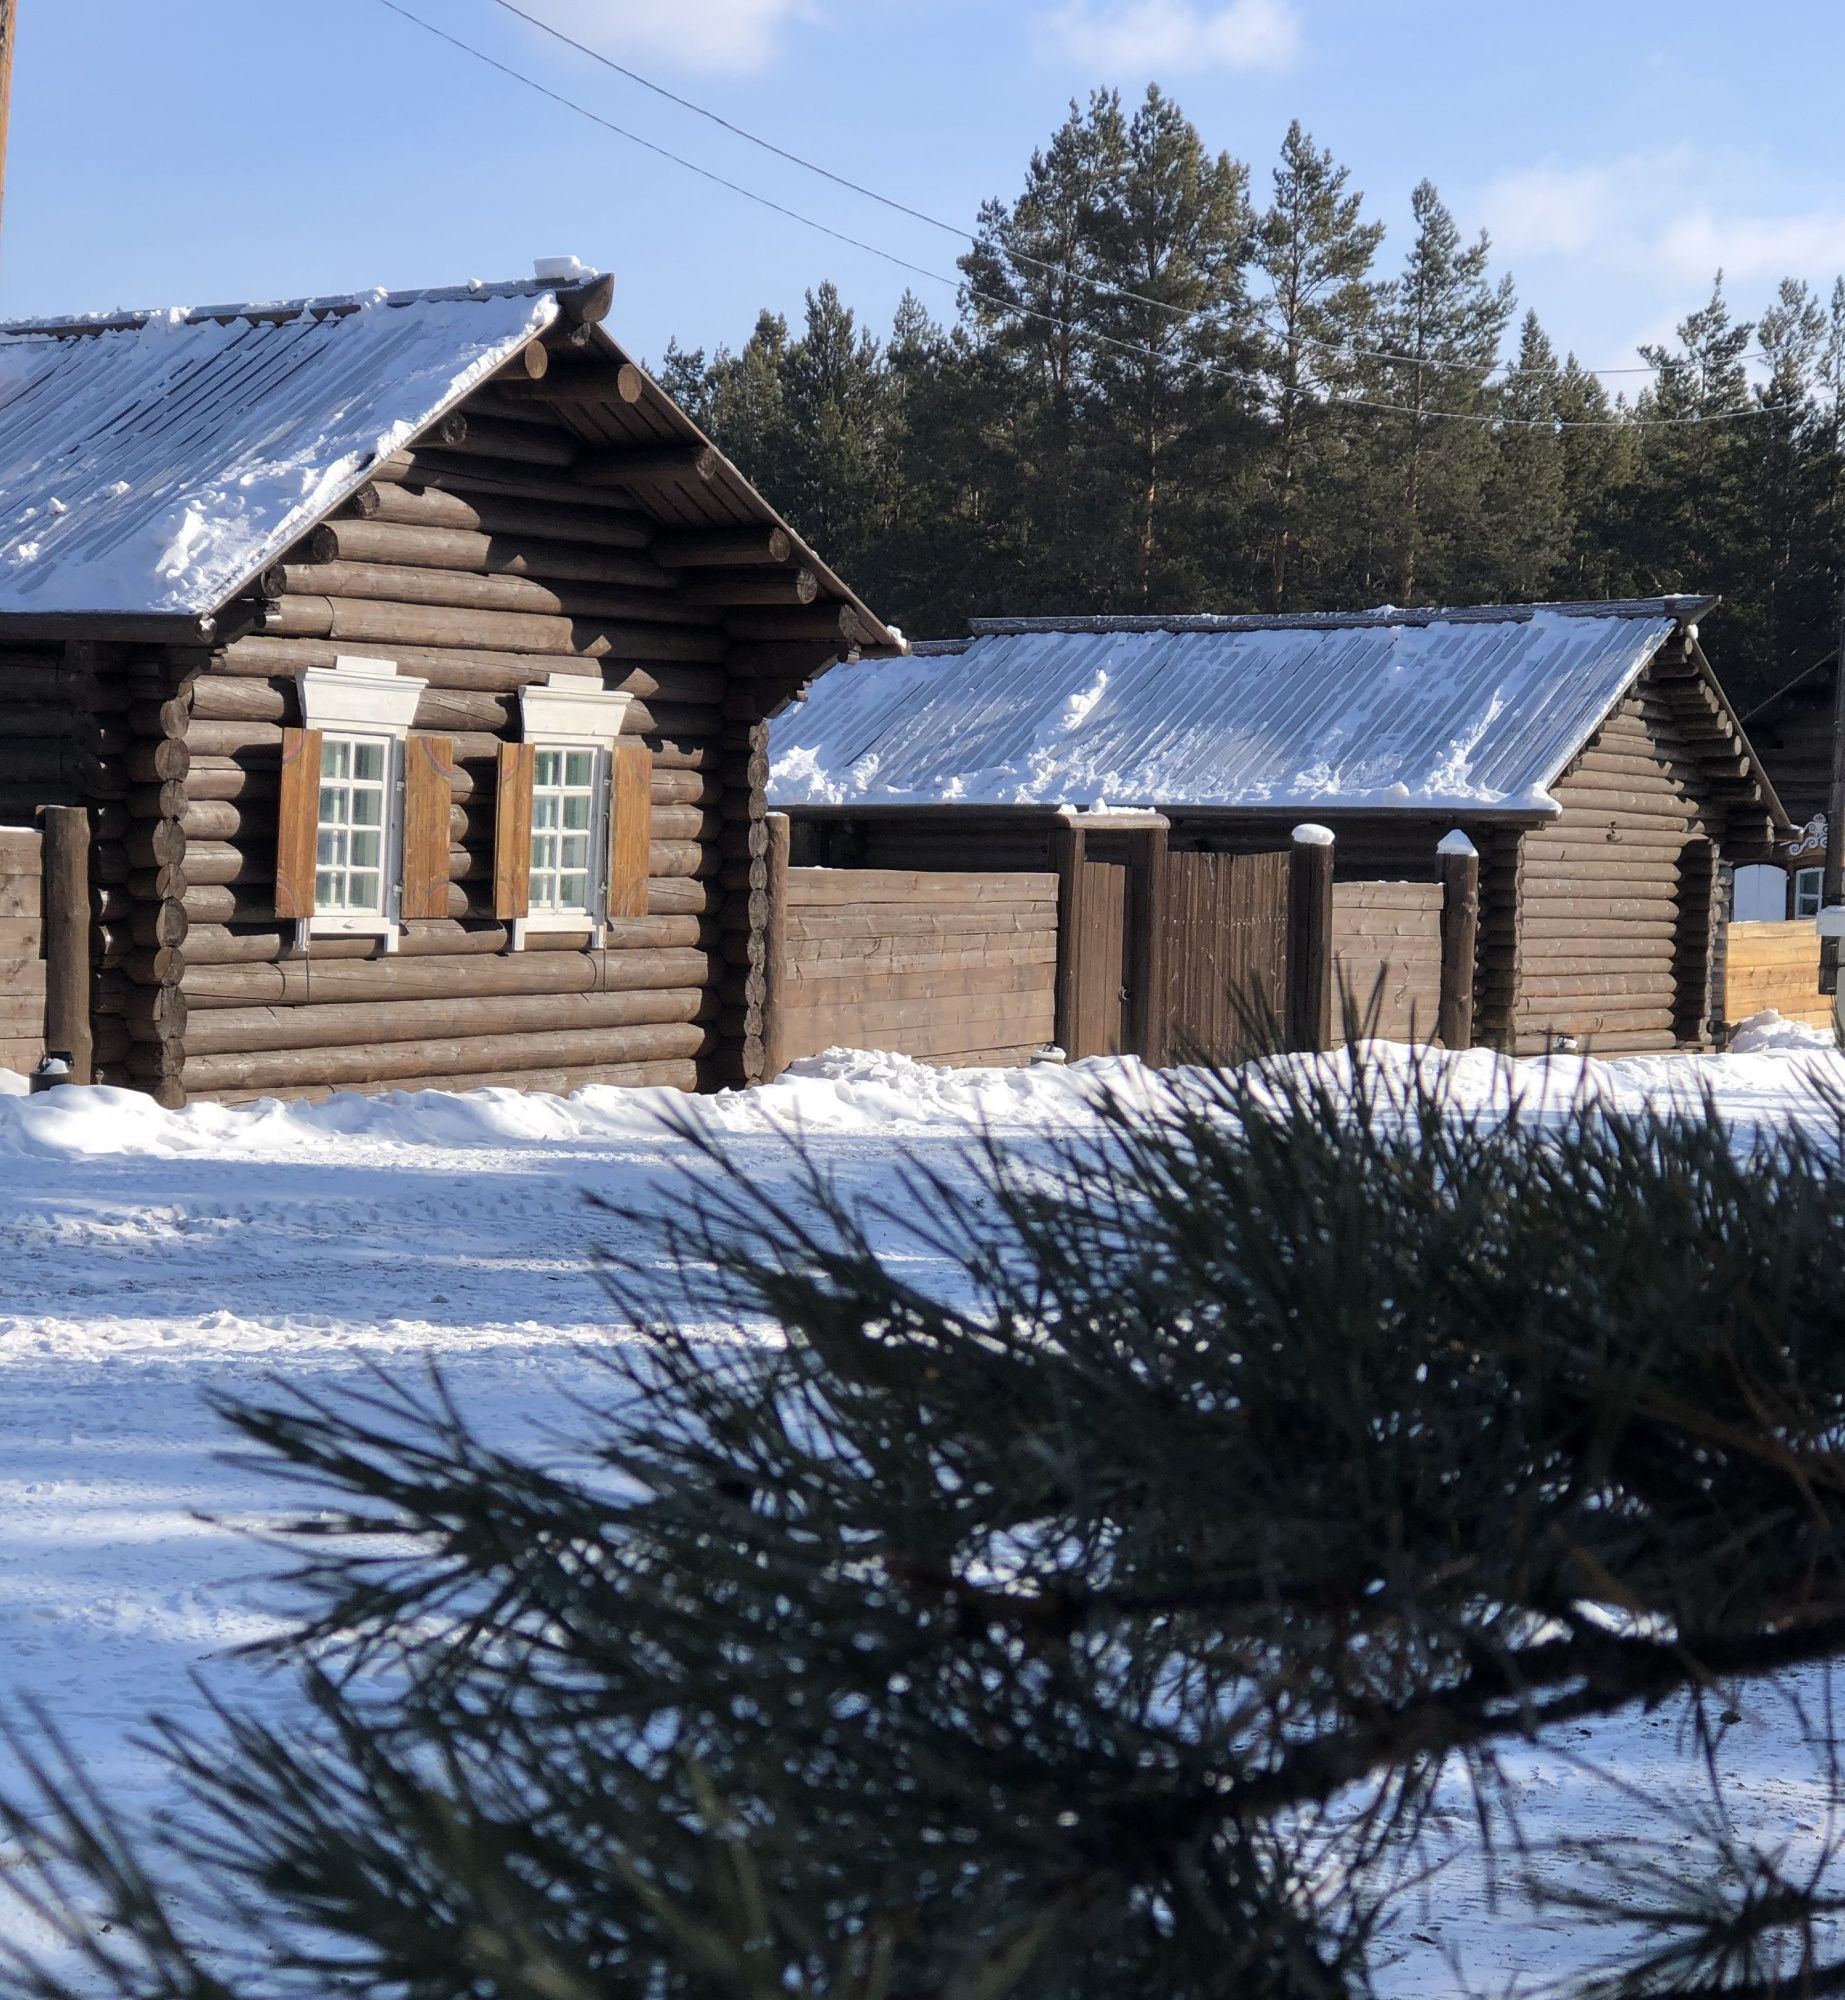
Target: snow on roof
x=153, y=464
x=1428, y=711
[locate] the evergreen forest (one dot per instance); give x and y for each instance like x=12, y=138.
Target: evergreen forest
x=1173, y=385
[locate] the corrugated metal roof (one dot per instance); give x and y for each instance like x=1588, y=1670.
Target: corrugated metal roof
x=154, y=465
x=1428, y=711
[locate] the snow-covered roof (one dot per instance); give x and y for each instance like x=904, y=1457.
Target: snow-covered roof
x=1426, y=711
x=152, y=464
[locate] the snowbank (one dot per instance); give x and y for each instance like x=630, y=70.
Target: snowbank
x=1771, y=1033
x=1779, y=1069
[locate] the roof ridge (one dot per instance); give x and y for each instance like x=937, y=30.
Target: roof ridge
x=1678, y=607
x=337, y=305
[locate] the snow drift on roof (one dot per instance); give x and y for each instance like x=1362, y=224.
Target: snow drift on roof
x=1424, y=712
x=156, y=467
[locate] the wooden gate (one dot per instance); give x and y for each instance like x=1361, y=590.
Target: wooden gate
x=1100, y=1017
x=1226, y=951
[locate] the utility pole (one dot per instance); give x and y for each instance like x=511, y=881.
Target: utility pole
x=1832, y=891
x=9, y=11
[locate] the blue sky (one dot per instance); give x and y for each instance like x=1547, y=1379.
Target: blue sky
x=204, y=150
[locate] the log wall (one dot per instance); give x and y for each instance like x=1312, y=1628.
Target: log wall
x=22, y=967
x=1616, y=915
x=482, y=563
x=1386, y=939
x=1775, y=965
x=948, y=967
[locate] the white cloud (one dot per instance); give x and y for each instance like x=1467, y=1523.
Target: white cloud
x=1675, y=213
x=1148, y=37
x=712, y=35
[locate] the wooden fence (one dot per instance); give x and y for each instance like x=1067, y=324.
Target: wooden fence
x=1774, y=965
x=22, y=949
x=1390, y=931
x=949, y=968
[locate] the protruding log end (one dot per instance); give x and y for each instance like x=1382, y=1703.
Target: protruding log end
x=590, y=304
x=641, y=470
x=629, y=382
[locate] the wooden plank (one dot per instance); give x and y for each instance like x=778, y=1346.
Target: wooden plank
x=893, y=920
x=818, y=995
x=429, y=768
x=298, y=824
x=813, y=888
x=630, y=831
x=512, y=832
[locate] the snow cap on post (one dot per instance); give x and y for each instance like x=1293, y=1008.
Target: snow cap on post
x=1310, y=834
x=1455, y=843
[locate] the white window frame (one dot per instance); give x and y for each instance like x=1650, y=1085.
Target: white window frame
x=574, y=712
x=365, y=701
x=1815, y=879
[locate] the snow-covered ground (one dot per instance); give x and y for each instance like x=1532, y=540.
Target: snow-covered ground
x=150, y=1258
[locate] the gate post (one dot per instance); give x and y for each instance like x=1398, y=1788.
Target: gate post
x=65, y=854
x=1310, y=956
x=1067, y=846
x=1460, y=933
x=1147, y=981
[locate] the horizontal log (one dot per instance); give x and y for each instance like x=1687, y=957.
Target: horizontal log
x=465, y=590
x=520, y=443
x=578, y=382
x=646, y=470
x=315, y=981
x=723, y=548
x=374, y=622
x=527, y=520
x=723, y=588
x=485, y=673
x=383, y=541
x=258, y=1029
x=824, y=620
x=451, y=1055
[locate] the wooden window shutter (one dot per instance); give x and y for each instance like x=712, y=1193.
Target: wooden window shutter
x=630, y=829
x=298, y=825
x=512, y=833
x=429, y=767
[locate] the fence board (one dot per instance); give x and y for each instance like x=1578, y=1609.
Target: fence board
x=1775, y=965
x=1390, y=931
x=946, y=967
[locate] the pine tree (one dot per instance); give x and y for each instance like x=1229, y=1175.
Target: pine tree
x=1444, y=319
x=1598, y=458
x=1525, y=522
x=1099, y=1584
x=1030, y=300
x=1319, y=307
x=1785, y=522
x=1690, y=489
x=1174, y=377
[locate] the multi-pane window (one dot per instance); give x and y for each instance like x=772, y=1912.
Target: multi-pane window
x=564, y=799
x=355, y=779
x=1808, y=883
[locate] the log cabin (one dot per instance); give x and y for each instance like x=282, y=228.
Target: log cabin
x=1583, y=754
x=411, y=656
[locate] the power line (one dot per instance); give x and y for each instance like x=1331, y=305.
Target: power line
x=1214, y=370
x=964, y=235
